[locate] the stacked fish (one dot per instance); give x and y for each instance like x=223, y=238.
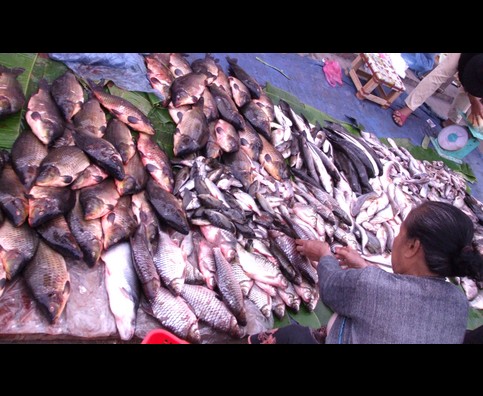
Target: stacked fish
x=192, y=239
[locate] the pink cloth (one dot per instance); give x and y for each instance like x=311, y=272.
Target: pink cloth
x=333, y=72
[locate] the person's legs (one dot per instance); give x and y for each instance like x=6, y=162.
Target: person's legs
x=427, y=87
x=460, y=104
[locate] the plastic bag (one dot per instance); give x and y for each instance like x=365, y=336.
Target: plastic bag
x=333, y=72
x=127, y=70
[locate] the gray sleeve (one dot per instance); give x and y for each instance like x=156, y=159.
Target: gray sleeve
x=337, y=285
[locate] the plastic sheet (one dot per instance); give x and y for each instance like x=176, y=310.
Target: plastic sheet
x=127, y=70
x=86, y=314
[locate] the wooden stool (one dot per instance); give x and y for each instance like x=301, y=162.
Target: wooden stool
x=380, y=76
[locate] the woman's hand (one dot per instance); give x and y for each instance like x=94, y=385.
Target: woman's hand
x=350, y=258
x=313, y=249
x=476, y=114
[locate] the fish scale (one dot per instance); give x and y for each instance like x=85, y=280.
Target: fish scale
x=49, y=281
x=210, y=309
x=13, y=199
x=170, y=263
x=229, y=287
x=119, y=224
x=261, y=299
x=175, y=314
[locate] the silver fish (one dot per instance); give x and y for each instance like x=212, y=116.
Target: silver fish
x=170, y=262
x=122, y=287
x=229, y=287
x=209, y=309
x=261, y=299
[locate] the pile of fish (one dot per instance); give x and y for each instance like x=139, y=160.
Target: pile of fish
x=192, y=238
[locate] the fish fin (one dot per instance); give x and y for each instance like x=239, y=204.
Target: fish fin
x=179, y=114
x=116, y=112
x=132, y=119
x=178, y=72
x=267, y=158
x=98, y=179
x=125, y=293
x=154, y=80
x=36, y=116
x=110, y=206
x=67, y=179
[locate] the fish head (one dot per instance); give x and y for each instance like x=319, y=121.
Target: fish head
x=234, y=329
x=266, y=311
x=279, y=311
x=176, y=286
x=126, y=325
x=48, y=175
x=92, y=256
x=93, y=208
x=127, y=185
x=16, y=210
x=54, y=301
x=194, y=335
x=184, y=144
x=180, y=97
x=12, y=261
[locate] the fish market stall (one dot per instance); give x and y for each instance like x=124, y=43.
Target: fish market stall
x=171, y=195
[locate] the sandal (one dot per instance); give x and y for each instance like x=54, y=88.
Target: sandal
x=402, y=118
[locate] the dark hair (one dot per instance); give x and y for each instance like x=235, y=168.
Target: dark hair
x=470, y=73
x=446, y=234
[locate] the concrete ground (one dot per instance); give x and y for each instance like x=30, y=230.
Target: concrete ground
x=306, y=81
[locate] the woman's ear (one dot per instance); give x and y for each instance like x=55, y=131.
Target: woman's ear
x=412, y=248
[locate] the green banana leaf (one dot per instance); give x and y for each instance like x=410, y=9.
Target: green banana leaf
x=36, y=66
x=475, y=319
x=303, y=317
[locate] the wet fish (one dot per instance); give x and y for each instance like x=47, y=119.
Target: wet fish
x=250, y=142
x=207, y=66
x=177, y=113
x=3, y=280
x=122, y=286
x=239, y=92
x=226, y=136
x=226, y=107
x=91, y=119
x=102, y=153
x=266, y=104
x=212, y=148
x=222, y=81
x=261, y=299
x=206, y=263
x=61, y=167
x=272, y=161
x=156, y=162
x=229, y=287
x=209, y=106
x=178, y=65
x=222, y=239
x=120, y=136
x=135, y=178
x=119, y=224
x=91, y=176
x=96, y=201
x=88, y=233
x=170, y=261
x=124, y=110
x=45, y=203
x=144, y=263
x=175, y=315
x=145, y=214
x=290, y=297
x=209, y=309
x=12, y=97
x=244, y=77
x=242, y=167
x=168, y=207
x=43, y=115
x=258, y=118
x=160, y=77
x=191, y=134
x=17, y=246
x=260, y=269
x=49, y=281
x=57, y=234
x=278, y=306
x=68, y=94
x=13, y=200
x=188, y=89
x=27, y=153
